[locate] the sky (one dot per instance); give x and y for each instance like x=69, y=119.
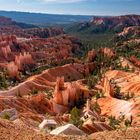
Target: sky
x=74, y=7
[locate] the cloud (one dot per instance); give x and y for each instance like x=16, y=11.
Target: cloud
x=62, y=1
x=71, y=1
x=76, y=1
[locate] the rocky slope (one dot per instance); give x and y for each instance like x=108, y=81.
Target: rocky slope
x=97, y=92
x=131, y=133
x=10, y=27
x=116, y=23
x=130, y=32
x=65, y=95
x=12, y=45
x=113, y=103
x=27, y=56
x=47, y=79
x=18, y=130
x=104, y=24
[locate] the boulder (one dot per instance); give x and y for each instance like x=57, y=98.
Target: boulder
x=47, y=123
x=10, y=114
x=68, y=129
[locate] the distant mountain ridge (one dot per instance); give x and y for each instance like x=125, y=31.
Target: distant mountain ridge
x=5, y=21
x=44, y=19
x=10, y=27
x=103, y=24
x=117, y=22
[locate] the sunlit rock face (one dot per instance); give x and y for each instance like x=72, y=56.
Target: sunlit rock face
x=47, y=79
x=12, y=69
x=23, y=54
x=93, y=122
x=66, y=95
x=47, y=49
x=90, y=126
x=129, y=82
x=116, y=23
x=107, y=52
x=6, y=43
x=6, y=50
x=135, y=61
x=89, y=113
x=19, y=64
x=28, y=107
x=23, y=59
x=111, y=104
x=129, y=32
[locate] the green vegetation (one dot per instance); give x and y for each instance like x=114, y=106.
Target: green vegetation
x=120, y=122
x=49, y=94
x=96, y=107
x=123, y=96
x=45, y=66
x=93, y=38
x=75, y=117
x=38, y=70
x=117, y=93
x=128, y=122
x=92, y=81
x=113, y=122
x=128, y=96
x=6, y=116
x=6, y=81
x=103, y=64
x=99, y=95
x=3, y=82
x=128, y=49
x=95, y=41
x=34, y=91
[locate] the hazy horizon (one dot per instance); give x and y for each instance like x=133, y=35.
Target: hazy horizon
x=64, y=13
x=73, y=7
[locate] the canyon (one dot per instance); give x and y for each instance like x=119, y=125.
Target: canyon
x=46, y=73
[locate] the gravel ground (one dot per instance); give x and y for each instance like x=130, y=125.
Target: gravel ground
x=12, y=131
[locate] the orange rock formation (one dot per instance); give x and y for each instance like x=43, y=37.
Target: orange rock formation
x=66, y=95
x=128, y=83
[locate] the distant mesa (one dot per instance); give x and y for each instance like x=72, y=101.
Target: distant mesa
x=10, y=27
x=44, y=20
x=103, y=24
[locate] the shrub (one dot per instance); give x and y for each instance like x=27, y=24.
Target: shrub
x=34, y=91
x=3, y=83
x=128, y=122
x=99, y=95
x=128, y=96
x=118, y=92
x=75, y=117
x=6, y=116
x=96, y=107
x=49, y=94
x=113, y=122
x=91, y=81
